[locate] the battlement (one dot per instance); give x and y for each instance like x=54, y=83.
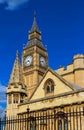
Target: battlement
x=78, y=63
x=62, y=70
x=78, y=56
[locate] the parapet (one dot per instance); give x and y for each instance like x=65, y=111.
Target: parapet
x=63, y=70
x=78, y=56
x=78, y=63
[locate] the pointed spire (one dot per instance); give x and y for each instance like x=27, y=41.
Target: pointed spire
x=16, y=75
x=34, y=26
x=34, y=38
x=17, y=55
x=35, y=14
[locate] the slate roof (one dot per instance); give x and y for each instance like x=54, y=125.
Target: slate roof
x=34, y=26
x=75, y=86
x=35, y=42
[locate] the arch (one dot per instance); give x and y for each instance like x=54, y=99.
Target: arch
x=49, y=86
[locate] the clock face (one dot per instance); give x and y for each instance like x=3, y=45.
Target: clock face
x=28, y=60
x=42, y=61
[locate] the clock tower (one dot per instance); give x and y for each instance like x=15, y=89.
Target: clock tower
x=34, y=59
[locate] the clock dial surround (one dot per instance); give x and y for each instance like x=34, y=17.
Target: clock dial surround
x=42, y=61
x=28, y=60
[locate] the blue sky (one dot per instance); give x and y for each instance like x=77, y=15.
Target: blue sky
x=61, y=23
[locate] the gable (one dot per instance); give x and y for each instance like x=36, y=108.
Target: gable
x=61, y=86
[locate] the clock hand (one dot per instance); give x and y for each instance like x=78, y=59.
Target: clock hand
x=28, y=61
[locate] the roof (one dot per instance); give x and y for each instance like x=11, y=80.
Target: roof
x=34, y=26
x=35, y=42
x=75, y=86
x=70, y=85
x=16, y=74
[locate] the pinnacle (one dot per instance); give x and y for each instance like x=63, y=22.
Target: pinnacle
x=16, y=75
x=34, y=25
x=17, y=54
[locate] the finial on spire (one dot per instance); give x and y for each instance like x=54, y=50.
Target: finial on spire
x=16, y=74
x=34, y=26
x=17, y=54
x=35, y=14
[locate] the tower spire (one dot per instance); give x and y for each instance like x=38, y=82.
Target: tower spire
x=34, y=14
x=34, y=27
x=34, y=37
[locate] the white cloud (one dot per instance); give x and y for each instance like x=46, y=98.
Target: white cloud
x=2, y=94
x=2, y=112
x=2, y=1
x=2, y=98
x=1, y=108
x=13, y=4
x=2, y=88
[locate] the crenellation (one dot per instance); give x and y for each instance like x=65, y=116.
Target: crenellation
x=78, y=62
x=78, y=56
x=63, y=70
x=74, y=72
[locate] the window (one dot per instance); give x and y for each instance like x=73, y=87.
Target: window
x=49, y=86
x=9, y=99
x=48, y=89
x=52, y=88
x=15, y=98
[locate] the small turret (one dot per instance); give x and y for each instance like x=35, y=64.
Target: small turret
x=78, y=61
x=16, y=90
x=78, y=67
x=16, y=75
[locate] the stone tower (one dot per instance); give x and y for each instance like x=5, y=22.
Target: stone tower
x=16, y=90
x=34, y=59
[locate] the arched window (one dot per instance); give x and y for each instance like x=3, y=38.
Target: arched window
x=52, y=88
x=48, y=89
x=15, y=98
x=49, y=86
x=9, y=99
